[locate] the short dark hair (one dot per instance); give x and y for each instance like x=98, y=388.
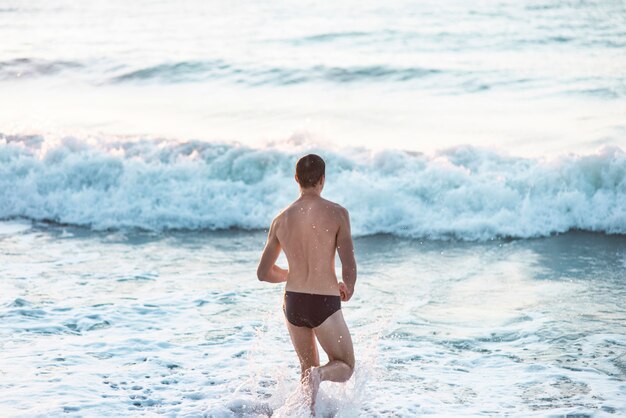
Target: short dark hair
x=310, y=170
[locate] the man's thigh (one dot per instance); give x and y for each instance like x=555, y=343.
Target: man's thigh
x=334, y=337
x=303, y=341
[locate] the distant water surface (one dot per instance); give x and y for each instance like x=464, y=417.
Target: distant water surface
x=533, y=76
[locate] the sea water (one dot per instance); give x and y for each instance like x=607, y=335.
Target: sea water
x=145, y=147
x=112, y=323
x=534, y=77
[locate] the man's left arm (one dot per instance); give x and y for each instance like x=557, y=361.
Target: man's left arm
x=268, y=271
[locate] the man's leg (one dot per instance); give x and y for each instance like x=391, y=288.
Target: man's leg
x=334, y=337
x=303, y=341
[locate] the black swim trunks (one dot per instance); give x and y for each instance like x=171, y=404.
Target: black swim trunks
x=308, y=309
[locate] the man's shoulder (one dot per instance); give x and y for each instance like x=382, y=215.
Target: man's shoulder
x=336, y=208
x=278, y=218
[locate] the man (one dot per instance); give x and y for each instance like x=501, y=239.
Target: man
x=309, y=231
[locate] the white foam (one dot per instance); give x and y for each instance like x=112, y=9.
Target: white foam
x=13, y=227
x=464, y=192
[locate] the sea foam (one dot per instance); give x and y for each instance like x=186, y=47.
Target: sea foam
x=464, y=192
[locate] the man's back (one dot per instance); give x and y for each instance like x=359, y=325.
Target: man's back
x=307, y=231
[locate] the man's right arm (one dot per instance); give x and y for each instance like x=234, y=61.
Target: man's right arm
x=268, y=271
x=345, y=248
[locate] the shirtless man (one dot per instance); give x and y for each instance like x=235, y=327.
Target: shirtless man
x=309, y=231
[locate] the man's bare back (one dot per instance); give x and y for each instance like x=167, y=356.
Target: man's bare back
x=309, y=231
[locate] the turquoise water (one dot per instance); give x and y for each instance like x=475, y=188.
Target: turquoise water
x=177, y=324
x=479, y=147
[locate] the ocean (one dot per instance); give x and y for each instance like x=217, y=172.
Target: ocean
x=145, y=147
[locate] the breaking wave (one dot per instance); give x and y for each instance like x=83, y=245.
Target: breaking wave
x=465, y=192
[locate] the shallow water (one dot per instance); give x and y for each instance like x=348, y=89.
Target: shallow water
x=131, y=323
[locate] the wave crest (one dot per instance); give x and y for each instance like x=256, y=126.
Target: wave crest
x=465, y=192
x=32, y=67
x=193, y=71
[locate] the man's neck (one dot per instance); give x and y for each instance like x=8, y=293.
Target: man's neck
x=311, y=192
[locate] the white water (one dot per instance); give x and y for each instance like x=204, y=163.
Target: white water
x=143, y=145
x=464, y=192
x=100, y=324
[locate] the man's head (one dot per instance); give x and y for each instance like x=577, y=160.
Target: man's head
x=310, y=171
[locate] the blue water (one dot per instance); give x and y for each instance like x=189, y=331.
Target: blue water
x=450, y=46
x=466, y=193
x=146, y=145
x=111, y=323
x=531, y=77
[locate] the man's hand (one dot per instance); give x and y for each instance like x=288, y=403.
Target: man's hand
x=344, y=293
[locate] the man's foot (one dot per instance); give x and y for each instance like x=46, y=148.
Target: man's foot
x=312, y=382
